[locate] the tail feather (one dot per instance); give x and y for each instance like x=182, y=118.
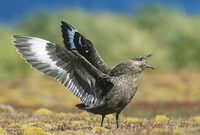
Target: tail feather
x=81, y=106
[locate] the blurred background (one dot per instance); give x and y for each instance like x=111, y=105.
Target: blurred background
x=120, y=30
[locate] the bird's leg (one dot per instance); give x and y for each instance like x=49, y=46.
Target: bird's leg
x=117, y=119
x=103, y=116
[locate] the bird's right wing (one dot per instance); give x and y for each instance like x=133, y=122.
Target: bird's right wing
x=71, y=69
x=73, y=40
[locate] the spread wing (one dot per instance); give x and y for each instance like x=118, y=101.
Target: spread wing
x=73, y=40
x=70, y=68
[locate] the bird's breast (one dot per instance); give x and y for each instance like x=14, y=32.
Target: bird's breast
x=122, y=92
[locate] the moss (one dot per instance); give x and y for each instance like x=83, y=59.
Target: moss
x=197, y=120
x=28, y=130
x=162, y=118
x=132, y=120
x=43, y=112
x=3, y=132
x=99, y=130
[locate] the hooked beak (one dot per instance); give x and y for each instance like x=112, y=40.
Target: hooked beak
x=147, y=65
x=147, y=56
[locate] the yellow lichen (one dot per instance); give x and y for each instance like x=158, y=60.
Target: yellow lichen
x=40, y=125
x=178, y=132
x=197, y=120
x=85, y=114
x=3, y=132
x=132, y=120
x=43, y=112
x=99, y=129
x=28, y=130
x=162, y=118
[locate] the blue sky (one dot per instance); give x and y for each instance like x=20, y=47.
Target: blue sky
x=11, y=10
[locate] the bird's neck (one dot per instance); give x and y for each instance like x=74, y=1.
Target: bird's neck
x=124, y=72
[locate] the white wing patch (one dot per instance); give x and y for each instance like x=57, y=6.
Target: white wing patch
x=71, y=38
x=34, y=51
x=38, y=46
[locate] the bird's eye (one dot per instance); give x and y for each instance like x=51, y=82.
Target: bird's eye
x=139, y=58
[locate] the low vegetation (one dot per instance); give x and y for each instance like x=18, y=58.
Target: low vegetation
x=26, y=123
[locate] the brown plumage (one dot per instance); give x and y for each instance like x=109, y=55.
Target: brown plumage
x=80, y=69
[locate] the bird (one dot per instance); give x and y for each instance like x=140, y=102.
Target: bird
x=79, y=67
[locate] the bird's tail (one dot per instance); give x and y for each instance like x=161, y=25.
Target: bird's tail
x=81, y=106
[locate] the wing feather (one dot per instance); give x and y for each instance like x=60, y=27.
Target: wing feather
x=73, y=40
x=72, y=70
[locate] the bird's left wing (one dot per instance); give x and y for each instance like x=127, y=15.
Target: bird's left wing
x=71, y=69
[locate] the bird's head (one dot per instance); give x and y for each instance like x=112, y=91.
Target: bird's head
x=134, y=66
x=139, y=64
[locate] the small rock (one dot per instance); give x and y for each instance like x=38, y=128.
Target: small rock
x=6, y=108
